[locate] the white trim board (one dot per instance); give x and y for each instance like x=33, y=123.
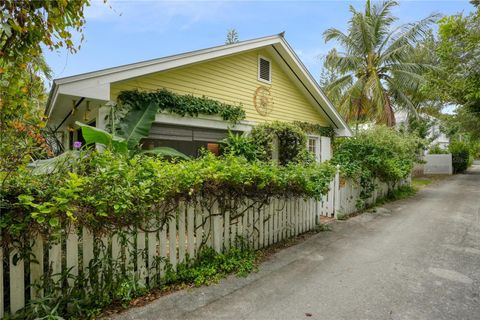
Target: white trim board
x=211, y=122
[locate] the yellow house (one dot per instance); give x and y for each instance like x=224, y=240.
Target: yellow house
x=264, y=76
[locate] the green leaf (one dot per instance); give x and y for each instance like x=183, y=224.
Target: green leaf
x=137, y=124
x=54, y=222
x=51, y=165
x=166, y=152
x=96, y=135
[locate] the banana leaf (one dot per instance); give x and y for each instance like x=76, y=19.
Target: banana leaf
x=96, y=135
x=137, y=124
x=166, y=152
x=51, y=165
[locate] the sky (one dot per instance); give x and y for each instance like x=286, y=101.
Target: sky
x=122, y=32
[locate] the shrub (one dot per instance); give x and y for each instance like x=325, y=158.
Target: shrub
x=461, y=157
x=381, y=153
x=210, y=266
x=436, y=149
x=181, y=104
x=240, y=145
x=292, y=141
x=107, y=191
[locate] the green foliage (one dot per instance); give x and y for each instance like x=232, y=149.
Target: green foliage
x=420, y=182
x=317, y=129
x=240, y=145
x=26, y=27
x=107, y=191
x=183, y=105
x=421, y=126
x=137, y=124
x=381, y=153
x=458, y=52
x=400, y=193
x=211, y=266
x=374, y=70
x=166, y=152
x=93, y=135
x=232, y=36
x=461, y=156
x=292, y=141
x=116, y=282
x=436, y=149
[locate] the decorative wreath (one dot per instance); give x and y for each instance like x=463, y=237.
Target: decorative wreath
x=263, y=100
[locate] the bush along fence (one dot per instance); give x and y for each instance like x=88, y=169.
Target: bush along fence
x=79, y=265
x=101, y=228
x=117, y=226
x=350, y=195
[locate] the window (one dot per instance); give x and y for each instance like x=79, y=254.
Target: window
x=314, y=147
x=264, y=70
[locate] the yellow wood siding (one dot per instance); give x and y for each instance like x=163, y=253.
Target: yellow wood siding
x=232, y=80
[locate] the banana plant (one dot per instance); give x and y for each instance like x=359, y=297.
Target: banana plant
x=132, y=129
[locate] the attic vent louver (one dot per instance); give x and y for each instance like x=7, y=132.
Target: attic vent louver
x=264, y=70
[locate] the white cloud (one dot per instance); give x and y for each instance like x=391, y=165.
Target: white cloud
x=154, y=16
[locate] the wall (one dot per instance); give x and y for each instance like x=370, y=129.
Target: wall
x=232, y=80
x=438, y=164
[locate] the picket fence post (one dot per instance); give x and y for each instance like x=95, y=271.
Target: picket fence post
x=336, y=192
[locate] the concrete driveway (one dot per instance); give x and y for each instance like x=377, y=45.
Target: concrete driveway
x=413, y=259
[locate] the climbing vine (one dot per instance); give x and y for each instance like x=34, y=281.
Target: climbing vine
x=184, y=105
x=315, y=128
x=291, y=140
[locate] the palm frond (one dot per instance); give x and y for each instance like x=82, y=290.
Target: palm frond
x=382, y=18
x=344, y=40
x=343, y=63
x=408, y=34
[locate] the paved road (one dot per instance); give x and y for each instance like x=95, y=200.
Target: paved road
x=412, y=259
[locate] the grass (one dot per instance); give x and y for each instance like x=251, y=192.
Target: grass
x=425, y=180
x=402, y=192
x=421, y=182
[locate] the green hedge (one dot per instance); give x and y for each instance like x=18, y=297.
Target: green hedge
x=461, y=156
x=105, y=191
x=380, y=152
x=292, y=142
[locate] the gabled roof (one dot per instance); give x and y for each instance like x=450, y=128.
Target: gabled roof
x=96, y=84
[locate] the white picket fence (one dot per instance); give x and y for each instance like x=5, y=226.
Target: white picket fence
x=176, y=240
x=348, y=194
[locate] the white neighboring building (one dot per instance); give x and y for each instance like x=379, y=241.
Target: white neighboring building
x=439, y=138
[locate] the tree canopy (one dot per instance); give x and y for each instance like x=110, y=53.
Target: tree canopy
x=377, y=69
x=26, y=26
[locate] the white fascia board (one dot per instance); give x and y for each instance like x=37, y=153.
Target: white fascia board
x=343, y=132
x=91, y=88
x=203, y=121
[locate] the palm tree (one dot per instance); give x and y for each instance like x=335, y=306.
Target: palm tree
x=232, y=36
x=376, y=70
